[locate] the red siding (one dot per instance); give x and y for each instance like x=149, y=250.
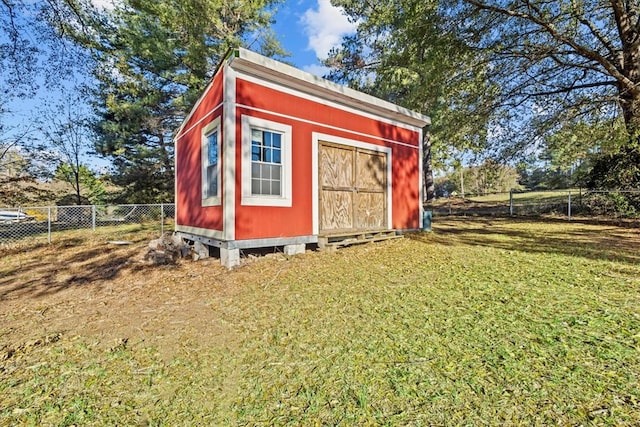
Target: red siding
x=269, y=99
x=255, y=222
x=189, y=209
x=263, y=222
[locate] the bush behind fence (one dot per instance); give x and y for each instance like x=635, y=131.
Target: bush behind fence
x=568, y=203
x=42, y=222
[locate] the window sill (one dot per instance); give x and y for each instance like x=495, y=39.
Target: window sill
x=266, y=201
x=211, y=201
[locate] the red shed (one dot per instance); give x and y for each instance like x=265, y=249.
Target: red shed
x=274, y=156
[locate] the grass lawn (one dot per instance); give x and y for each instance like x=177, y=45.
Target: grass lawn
x=481, y=322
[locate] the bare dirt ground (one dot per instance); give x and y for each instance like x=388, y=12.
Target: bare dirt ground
x=75, y=288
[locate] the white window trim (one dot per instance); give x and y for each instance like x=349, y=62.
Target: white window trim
x=214, y=126
x=249, y=199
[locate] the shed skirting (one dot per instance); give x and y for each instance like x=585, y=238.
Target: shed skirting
x=249, y=243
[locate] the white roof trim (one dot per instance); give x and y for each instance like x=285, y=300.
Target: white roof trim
x=270, y=69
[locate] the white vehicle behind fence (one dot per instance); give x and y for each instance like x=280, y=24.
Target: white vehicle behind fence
x=14, y=216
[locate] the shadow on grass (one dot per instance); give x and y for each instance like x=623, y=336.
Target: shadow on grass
x=45, y=269
x=588, y=239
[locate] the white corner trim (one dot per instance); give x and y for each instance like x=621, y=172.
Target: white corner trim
x=315, y=190
x=214, y=126
x=421, y=178
x=175, y=183
x=229, y=154
x=316, y=137
x=248, y=199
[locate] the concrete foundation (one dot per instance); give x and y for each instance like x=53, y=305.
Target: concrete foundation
x=294, y=249
x=229, y=257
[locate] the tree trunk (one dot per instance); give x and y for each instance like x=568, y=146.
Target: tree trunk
x=630, y=105
x=76, y=176
x=427, y=169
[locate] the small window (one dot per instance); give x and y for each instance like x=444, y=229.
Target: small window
x=211, y=164
x=266, y=167
x=266, y=163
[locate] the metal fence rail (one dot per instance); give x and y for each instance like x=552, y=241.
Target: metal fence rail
x=41, y=222
x=568, y=203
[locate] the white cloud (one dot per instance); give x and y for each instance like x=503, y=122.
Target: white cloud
x=325, y=27
x=316, y=70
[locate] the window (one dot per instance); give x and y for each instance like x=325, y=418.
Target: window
x=266, y=162
x=211, y=164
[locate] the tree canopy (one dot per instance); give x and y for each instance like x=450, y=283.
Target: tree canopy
x=558, y=82
x=153, y=60
x=514, y=78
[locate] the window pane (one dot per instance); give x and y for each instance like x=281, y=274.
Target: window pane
x=255, y=186
x=275, y=188
x=267, y=155
x=255, y=153
x=277, y=140
x=212, y=140
x=265, y=188
x=275, y=172
x=277, y=156
x=212, y=181
x=256, y=135
x=255, y=170
x=266, y=138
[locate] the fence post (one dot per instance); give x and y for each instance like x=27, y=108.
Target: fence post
x=162, y=219
x=93, y=217
x=49, y=223
x=569, y=207
x=511, y=202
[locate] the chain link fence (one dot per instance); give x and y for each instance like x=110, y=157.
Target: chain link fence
x=43, y=222
x=617, y=204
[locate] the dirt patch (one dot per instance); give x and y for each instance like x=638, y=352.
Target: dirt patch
x=109, y=294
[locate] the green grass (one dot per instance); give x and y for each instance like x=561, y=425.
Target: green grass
x=478, y=323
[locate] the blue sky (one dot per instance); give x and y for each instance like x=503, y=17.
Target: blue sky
x=308, y=29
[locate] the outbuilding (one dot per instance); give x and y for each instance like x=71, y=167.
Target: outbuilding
x=271, y=156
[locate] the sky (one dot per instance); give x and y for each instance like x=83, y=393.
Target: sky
x=308, y=29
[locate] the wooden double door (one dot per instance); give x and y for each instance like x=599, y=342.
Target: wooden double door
x=353, y=188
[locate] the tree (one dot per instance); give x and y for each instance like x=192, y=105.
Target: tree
x=561, y=65
x=153, y=61
x=407, y=52
x=67, y=139
x=85, y=184
x=33, y=47
x=489, y=177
